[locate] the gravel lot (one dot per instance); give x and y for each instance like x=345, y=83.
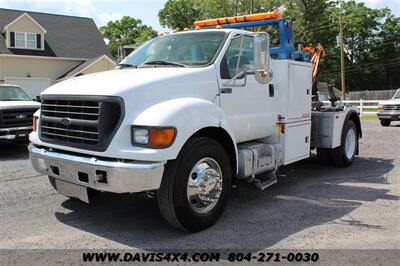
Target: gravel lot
x=312, y=206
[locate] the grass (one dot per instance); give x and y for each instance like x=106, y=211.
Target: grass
x=366, y=109
x=374, y=117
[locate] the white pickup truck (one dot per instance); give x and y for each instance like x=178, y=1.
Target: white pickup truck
x=185, y=115
x=390, y=110
x=16, y=112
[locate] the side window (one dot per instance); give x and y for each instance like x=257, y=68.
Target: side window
x=238, y=57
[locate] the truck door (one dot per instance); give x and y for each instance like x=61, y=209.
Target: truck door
x=251, y=107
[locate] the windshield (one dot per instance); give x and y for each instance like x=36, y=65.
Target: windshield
x=186, y=49
x=397, y=95
x=13, y=94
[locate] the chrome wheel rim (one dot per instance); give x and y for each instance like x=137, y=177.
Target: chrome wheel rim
x=204, y=185
x=350, y=145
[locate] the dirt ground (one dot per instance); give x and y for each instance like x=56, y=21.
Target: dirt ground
x=312, y=206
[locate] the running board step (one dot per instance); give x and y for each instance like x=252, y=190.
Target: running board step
x=264, y=183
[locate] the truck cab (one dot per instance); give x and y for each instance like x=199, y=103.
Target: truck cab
x=390, y=110
x=16, y=113
x=183, y=116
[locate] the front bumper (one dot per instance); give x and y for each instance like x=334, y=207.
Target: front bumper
x=14, y=133
x=390, y=115
x=118, y=176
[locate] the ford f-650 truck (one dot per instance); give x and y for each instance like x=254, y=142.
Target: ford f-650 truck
x=16, y=112
x=186, y=114
x=390, y=110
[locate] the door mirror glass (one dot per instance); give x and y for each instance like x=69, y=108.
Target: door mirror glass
x=264, y=76
x=261, y=51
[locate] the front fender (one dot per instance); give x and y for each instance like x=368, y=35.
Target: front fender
x=187, y=115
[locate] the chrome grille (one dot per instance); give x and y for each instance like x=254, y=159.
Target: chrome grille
x=16, y=117
x=83, y=122
x=391, y=107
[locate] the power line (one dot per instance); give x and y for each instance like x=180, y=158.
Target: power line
x=315, y=29
x=366, y=64
x=364, y=68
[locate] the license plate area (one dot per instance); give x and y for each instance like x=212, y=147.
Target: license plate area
x=72, y=190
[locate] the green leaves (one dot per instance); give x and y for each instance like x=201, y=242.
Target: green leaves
x=179, y=13
x=182, y=13
x=126, y=31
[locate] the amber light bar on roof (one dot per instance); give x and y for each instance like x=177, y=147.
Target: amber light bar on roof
x=238, y=19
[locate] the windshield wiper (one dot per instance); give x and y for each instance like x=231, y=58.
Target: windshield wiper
x=165, y=63
x=123, y=65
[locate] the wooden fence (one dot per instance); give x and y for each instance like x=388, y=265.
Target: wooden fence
x=371, y=95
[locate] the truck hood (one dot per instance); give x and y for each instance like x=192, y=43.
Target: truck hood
x=119, y=82
x=18, y=104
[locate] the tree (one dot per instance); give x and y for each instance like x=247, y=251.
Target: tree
x=372, y=36
x=182, y=13
x=126, y=31
x=179, y=13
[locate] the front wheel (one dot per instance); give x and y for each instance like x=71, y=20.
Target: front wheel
x=343, y=155
x=196, y=186
x=385, y=122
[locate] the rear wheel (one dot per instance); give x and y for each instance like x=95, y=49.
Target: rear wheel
x=385, y=122
x=196, y=186
x=343, y=155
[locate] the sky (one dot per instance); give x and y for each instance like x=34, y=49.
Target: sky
x=103, y=11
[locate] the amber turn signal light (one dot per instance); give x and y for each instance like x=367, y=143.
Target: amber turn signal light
x=162, y=138
x=34, y=123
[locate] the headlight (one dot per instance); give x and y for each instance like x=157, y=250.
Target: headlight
x=153, y=137
x=34, y=123
x=380, y=107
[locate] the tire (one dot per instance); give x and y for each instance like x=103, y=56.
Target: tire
x=341, y=156
x=324, y=155
x=173, y=196
x=385, y=122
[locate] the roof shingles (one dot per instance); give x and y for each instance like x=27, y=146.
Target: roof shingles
x=67, y=36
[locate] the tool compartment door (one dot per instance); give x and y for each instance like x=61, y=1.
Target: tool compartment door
x=299, y=98
x=296, y=141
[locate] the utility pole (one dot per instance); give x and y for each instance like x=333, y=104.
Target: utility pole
x=236, y=11
x=342, y=66
x=252, y=7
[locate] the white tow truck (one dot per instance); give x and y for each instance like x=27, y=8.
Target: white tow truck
x=186, y=114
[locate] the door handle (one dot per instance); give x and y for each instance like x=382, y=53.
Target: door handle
x=226, y=90
x=271, y=90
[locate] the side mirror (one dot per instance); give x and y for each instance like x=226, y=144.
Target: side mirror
x=264, y=76
x=263, y=73
x=261, y=51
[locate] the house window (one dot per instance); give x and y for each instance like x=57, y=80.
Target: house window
x=25, y=40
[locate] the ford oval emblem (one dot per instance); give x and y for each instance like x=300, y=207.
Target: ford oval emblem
x=21, y=116
x=66, y=121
